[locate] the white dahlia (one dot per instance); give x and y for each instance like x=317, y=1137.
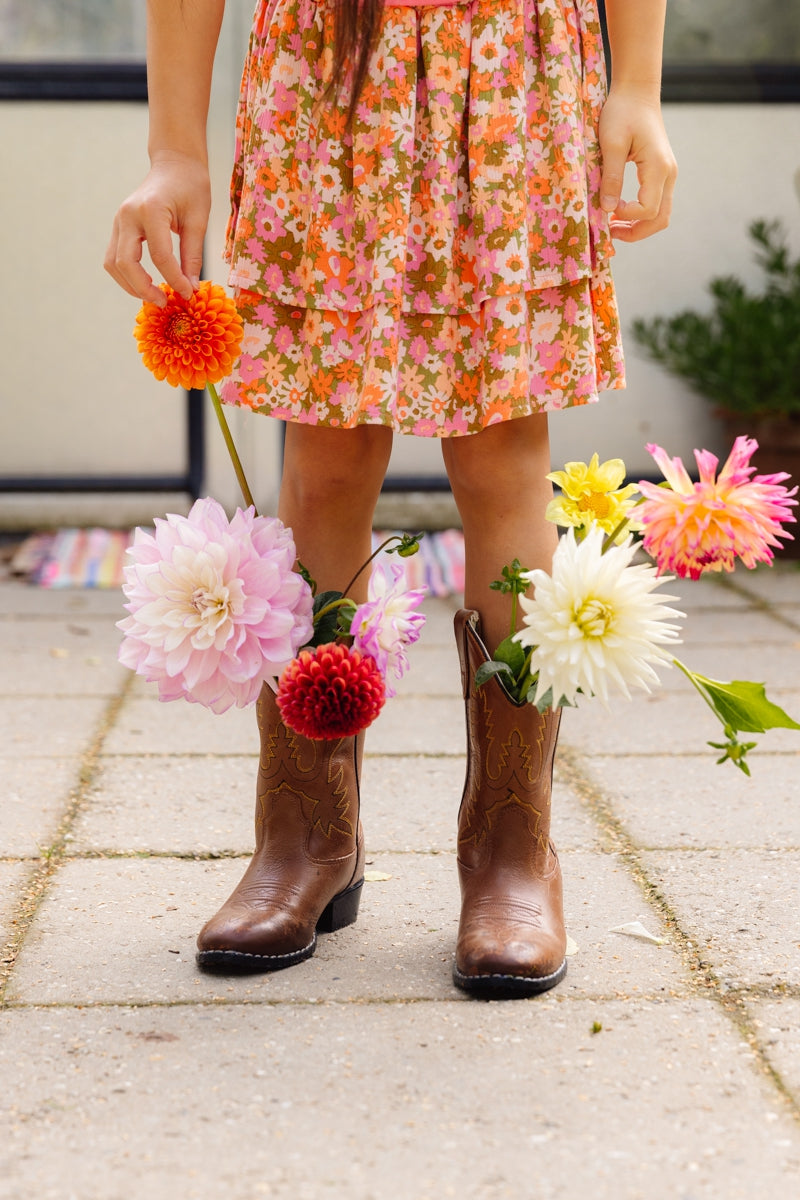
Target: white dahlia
x=594, y=623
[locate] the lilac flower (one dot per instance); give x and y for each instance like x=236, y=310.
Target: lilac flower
x=215, y=606
x=387, y=623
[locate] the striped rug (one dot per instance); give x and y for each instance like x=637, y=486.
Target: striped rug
x=95, y=558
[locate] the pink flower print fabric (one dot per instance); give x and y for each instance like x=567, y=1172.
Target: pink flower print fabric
x=444, y=264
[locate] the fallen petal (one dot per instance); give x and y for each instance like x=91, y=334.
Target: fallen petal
x=636, y=929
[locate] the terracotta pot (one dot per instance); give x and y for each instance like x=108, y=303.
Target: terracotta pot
x=778, y=450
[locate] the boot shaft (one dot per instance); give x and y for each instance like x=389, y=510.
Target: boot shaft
x=308, y=790
x=505, y=808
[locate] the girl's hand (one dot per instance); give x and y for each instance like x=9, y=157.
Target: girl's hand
x=175, y=197
x=632, y=130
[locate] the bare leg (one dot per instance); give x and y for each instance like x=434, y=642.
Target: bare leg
x=331, y=482
x=498, y=481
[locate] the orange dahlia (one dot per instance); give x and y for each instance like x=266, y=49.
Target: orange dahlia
x=332, y=691
x=190, y=342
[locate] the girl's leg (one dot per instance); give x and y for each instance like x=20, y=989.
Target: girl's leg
x=307, y=870
x=331, y=482
x=511, y=936
x=498, y=481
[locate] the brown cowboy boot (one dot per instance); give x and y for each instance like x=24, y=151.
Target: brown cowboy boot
x=308, y=867
x=511, y=936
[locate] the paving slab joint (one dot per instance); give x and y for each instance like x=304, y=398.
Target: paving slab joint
x=759, y=603
x=733, y=1002
x=53, y=855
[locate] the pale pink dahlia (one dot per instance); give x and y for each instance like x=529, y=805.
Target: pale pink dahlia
x=215, y=606
x=690, y=527
x=387, y=623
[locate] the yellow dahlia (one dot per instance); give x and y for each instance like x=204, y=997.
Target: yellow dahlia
x=591, y=495
x=190, y=342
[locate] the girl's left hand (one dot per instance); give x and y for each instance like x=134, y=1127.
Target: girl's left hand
x=632, y=130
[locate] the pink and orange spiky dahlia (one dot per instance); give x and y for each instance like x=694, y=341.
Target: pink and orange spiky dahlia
x=691, y=528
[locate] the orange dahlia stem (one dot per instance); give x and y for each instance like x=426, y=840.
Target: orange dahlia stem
x=232, y=451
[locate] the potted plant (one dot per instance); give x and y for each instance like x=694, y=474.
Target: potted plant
x=744, y=354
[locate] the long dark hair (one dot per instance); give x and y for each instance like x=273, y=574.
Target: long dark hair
x=356, y=26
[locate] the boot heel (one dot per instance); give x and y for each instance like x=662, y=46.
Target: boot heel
x=342, y=909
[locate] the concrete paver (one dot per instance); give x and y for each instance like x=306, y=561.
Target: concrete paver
x=742, y=906
x=21, y=602
x=664, y=723
x=59, y=656
x=48, y=727
x=119, y=930
x=733, y=628
x=169, y=804
x=13, y=877
x=363, y=1072
x=777, y=661
x=693, y=803
x=410, y=1100
x=778, y=1022
x=432, y=671
x=777, y=587
x=35, y=791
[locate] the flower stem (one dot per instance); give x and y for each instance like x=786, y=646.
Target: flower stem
x=333, y=604
x=394, y=538
x=610, y=538
x=695, y=684
x=525, y=679
x=226, y=433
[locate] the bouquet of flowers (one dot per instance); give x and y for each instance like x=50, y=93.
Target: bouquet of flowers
x=596, y=624
x=218, y=607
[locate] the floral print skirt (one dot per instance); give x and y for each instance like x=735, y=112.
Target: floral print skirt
x=444, y=265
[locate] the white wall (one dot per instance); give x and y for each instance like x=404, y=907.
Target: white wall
x=737, y=163
x=75, y=397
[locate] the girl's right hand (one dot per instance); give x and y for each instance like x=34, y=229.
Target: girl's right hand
x=175, y=197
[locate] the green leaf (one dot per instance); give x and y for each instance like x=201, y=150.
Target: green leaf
x=488, y=670
x=743, y=706
x=511, y=652
x=546, y=700
x=326, y=628
x=344, y=619
x=306, y=574
x=512, y=580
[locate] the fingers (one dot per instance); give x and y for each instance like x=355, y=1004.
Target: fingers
x=133, y=226
x=614, y=159
x=192, y=240
x=651, y=211
x=158, y=232
x=111, y=258
x=174, y=199
x=626, y=226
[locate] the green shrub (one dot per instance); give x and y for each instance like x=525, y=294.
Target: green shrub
x=744, y=355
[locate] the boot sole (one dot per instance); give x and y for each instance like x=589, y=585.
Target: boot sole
x=342, y=910
x=507, y=987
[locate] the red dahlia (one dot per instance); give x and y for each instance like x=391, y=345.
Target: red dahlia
x=330, y=692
